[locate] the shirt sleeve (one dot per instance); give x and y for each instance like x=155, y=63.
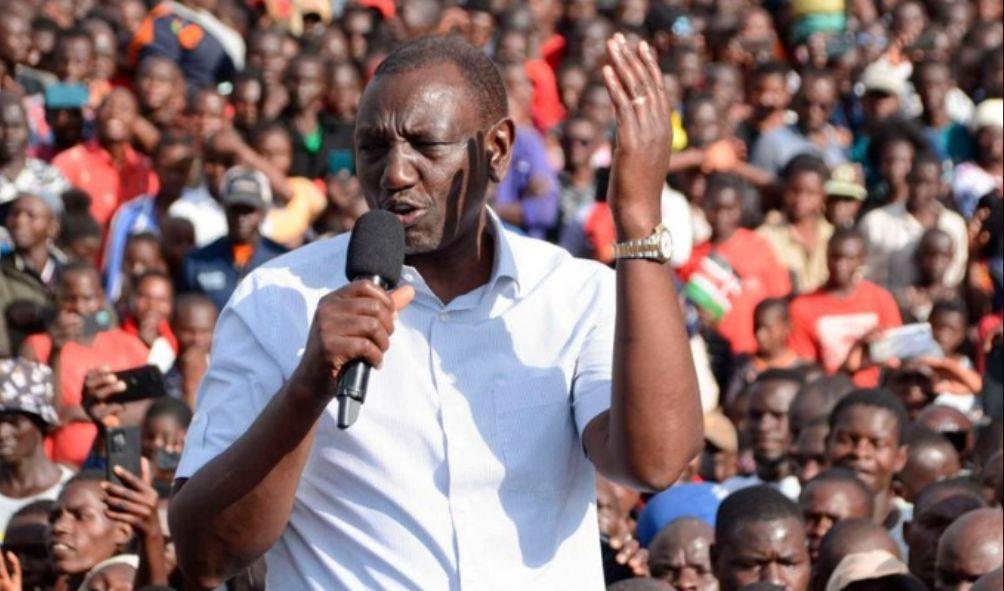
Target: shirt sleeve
x=241, y=379
x=801, y=339
x=592, y=383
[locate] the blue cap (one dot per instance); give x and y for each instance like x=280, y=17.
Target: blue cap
x=698, y=499
x=66, y=96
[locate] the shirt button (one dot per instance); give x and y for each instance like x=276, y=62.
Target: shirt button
x=409, y=277
x=443, y=316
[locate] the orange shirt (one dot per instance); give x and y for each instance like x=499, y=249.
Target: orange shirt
x=761, y=275
x=115, y=348
x=90, y=167
x=825, y=327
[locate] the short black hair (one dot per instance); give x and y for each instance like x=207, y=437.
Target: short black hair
x=843, y=476
x=484, y=81
x=74, y=33
x=778, y=374
x=780, y=304
x=725, y=181
x=639, y=585
x=842, y=234
x=76, y=268
x=803, y=163
x=958, y=486
x=892, y=131
x=875, y=398
x=771, y=68
x=167, y=406
x=176, y=137
x=924, y=158
x=155, y=274
x=192, y=300
x=754, y=504
x=949, y=306
x=927, y=64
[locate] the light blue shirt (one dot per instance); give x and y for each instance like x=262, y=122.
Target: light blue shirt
x=466, y=468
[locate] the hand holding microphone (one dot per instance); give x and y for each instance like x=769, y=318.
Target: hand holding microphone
x=352, y=325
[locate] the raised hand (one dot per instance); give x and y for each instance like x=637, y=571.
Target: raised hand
x=10, y=572
x=644, y=136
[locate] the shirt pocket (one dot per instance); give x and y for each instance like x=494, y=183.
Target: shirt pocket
x=536, y=432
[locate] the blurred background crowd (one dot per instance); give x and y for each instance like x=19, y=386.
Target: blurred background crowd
x=835, y=202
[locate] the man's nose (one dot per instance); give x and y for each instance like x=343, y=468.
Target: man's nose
x=771, y=573
x=687, y=580
x=399, y=173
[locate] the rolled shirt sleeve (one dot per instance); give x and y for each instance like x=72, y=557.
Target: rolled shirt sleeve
x=592, y=383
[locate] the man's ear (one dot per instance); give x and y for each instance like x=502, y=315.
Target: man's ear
x=900, y=459
x=121, y=533
x=499, y=142
x=53, y=230
x=713, y=550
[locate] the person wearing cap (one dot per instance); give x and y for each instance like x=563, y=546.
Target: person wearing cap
x=18, y=172
x=881, y=89
x=216, y=269
x=28, y=274
x=984, y=174
x=845, y=194
x=26, y=414
x=64, y=114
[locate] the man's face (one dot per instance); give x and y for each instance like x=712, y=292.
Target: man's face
x=770, y=94
x=824, y=504
x=816, y=105
x=804, y=196
x=933, y=84
x=209, y=114
x=808, y=452
x=243, y=222
x=15, y=38
x=173, y=166
x=153, y=300
x=155, y=85
x=116, y=116
x=896, y=161
x=767, y=419
x=949, y=329
x=865, y=439
x=80, y=293
x=265, y=54
x=702, y=124
x=765, y=551
x=74, y=60
x=306, y=84
x=159, y=432
x=247, y=100
x=925, y=183
x=67, y=126
x=685, y=563
x=344, y=92
x=597, y=107
x=142, y=256
x=194, y=327
x=579, y=141
x=13, y=133
x=277, y=148
x=30, y=223
x=421, y=154
x=934, y=255
x=723, y=210
x=19, y=437
x=82, y=533
x=716, y=465
x=879, y=106
x=844, y=259
x=842, y=211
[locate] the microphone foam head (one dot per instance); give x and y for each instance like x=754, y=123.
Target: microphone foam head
x=376, y=247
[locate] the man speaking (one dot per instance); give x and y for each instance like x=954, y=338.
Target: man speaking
x=505, y=370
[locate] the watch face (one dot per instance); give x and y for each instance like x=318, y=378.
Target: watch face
x=665, y=244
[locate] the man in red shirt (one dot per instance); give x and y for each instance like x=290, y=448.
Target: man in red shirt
x=108, y=167
x=736, y=269
x=833, y=323
x=80, y=339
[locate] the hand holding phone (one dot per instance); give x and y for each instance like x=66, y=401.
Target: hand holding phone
x=122, y=445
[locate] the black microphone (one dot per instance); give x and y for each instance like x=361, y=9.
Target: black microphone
x=376, y=253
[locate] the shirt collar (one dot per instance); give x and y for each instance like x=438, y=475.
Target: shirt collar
x=503, y=268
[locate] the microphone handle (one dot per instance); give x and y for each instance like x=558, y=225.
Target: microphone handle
x=354, y=379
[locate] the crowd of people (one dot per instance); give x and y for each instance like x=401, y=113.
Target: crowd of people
x=834, y=200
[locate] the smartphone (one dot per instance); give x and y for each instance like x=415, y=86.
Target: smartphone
x=100, y=321
x=166, y=460
x=141, y=383
x=123, y=447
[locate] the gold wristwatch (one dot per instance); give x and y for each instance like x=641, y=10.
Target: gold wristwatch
x=658, y=246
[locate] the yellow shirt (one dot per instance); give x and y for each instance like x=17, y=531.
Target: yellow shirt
x=806, y=262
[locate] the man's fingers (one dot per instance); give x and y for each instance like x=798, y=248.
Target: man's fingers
x=652, y=66
x=622, y=103
x=625, y=70
x=15, y=565
x=402, y=296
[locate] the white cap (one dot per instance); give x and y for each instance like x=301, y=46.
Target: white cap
x=989, y=113
x=881, y=77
